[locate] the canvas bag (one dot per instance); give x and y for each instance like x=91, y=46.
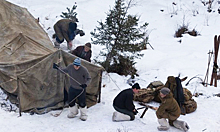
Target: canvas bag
x=189, y=103
x=144, y=95
x=187, y=94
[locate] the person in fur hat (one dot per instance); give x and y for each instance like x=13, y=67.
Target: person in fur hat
x=169, y=109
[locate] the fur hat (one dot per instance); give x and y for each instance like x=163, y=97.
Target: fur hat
x=88, y=45
x=77, y=62
x=136, y=85
x=165, y=90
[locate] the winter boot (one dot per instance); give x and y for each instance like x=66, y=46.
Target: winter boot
x=56, y=45
x=117, y=116
x=73, y=111
x=83, y=112
x=164, y=126
x=182, y=125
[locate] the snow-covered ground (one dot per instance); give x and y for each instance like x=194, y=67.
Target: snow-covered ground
x=169, y=58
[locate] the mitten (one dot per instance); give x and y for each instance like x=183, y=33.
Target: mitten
x=55, y=66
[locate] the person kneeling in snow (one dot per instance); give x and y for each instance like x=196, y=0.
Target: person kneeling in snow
x=77, y=89
x=123, y=104
x=169, y=109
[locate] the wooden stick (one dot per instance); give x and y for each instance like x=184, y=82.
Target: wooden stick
x=142, y=115
x=151, y=107
x=141, y=107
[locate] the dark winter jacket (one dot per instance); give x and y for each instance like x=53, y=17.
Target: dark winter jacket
x=124, y=100
x=81, y=75
x=65, y=29
x=169, y=108
x=79, y=51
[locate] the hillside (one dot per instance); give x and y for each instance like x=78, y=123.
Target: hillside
x=185, y=56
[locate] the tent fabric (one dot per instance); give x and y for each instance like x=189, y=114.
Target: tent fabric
x=15, y=20
x=26, y=60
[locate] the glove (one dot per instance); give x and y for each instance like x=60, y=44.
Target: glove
x=55, y=66
x=135, y=112
x=81, y=33
x=83, y=85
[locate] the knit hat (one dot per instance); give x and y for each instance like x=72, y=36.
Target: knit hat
x=165, y=90
x=136, y=85
x=88, y=45
x=77, y=62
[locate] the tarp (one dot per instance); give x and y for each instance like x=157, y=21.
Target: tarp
x=26, y=59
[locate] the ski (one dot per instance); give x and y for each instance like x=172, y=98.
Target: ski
x=215, y=66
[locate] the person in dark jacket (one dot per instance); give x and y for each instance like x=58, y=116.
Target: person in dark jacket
x=169, y=109
x=77, y=90
x=123, y=104
x=66, y=29
x=83, y=52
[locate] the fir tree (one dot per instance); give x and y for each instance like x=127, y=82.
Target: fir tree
x=122, y=39
x=71, y=14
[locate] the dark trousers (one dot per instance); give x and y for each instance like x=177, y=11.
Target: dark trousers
x=125, y=111
x=79, y=94
x=59, y=41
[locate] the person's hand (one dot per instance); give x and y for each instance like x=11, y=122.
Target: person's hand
x=81, y=33
x=83, y=86
x=55, y=66
x=70, y=45
x=135, y=112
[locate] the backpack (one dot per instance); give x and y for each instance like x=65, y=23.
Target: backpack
x=182, y=95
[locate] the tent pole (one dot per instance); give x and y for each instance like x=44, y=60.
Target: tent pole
x=100, y=83
x=19, y=103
